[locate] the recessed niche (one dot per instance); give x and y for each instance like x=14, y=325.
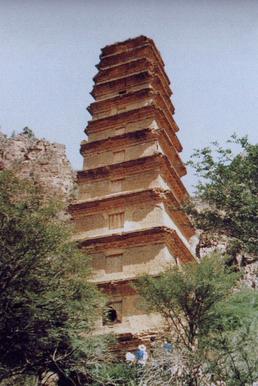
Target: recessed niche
x=114, y=263
x=116, y=185
x=116, y=220
x=113, y=313
x=119, y=156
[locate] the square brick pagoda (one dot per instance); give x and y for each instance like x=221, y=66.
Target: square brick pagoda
x=128, y=213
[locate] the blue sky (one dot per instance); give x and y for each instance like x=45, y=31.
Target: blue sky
x=49, y=49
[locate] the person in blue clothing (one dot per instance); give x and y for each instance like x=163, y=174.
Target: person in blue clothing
x=141, y=355
x=168, y=346
x=130, y=358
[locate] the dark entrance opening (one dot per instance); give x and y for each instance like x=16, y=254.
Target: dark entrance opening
x=110, y=316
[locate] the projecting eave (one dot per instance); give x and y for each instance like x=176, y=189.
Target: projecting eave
x=143, y=95
x=121, y=70
x=128, y=81
x=114, y=48
x=147, y=49
x=103, y=89
x=156, y=195
x=95, y=205
x=156, y=235
x=120, y=286
x=128, y=45
x=142, y=135
x=127, y=167
x=133, y=67
x=137, y=165
x=134, y=115
x=123, y=285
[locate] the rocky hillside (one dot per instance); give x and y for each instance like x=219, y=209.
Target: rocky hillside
x=38, y=159
x=247, y=264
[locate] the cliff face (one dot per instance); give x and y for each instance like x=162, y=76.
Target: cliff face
x=247, y=264
x=40, y=160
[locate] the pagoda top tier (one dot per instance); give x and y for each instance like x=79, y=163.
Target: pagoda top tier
x=132, y=93
x=138, y=56
x=129, y=44
x=127, y=68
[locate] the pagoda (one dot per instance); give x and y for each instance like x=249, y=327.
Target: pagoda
x=128, y=214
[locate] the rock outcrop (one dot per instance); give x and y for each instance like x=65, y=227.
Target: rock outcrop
x=247, y=264
x=40, y=160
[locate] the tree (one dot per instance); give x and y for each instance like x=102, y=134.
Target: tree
x=186, y=297
x=227, y=196
x=29, y=132
x=46, y=300
x=204, y=317
x=235, y=341
x=209, y=316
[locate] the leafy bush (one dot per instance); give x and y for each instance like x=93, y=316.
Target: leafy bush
x=45, y=297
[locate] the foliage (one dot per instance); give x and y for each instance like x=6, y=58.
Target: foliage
x=46, y=301
x=177, y=368
x=211, y=319
x=210, y=324
x=29, y=132
x=235, y=340
x=116, y=374
x=186, y=296
x=227, y=194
